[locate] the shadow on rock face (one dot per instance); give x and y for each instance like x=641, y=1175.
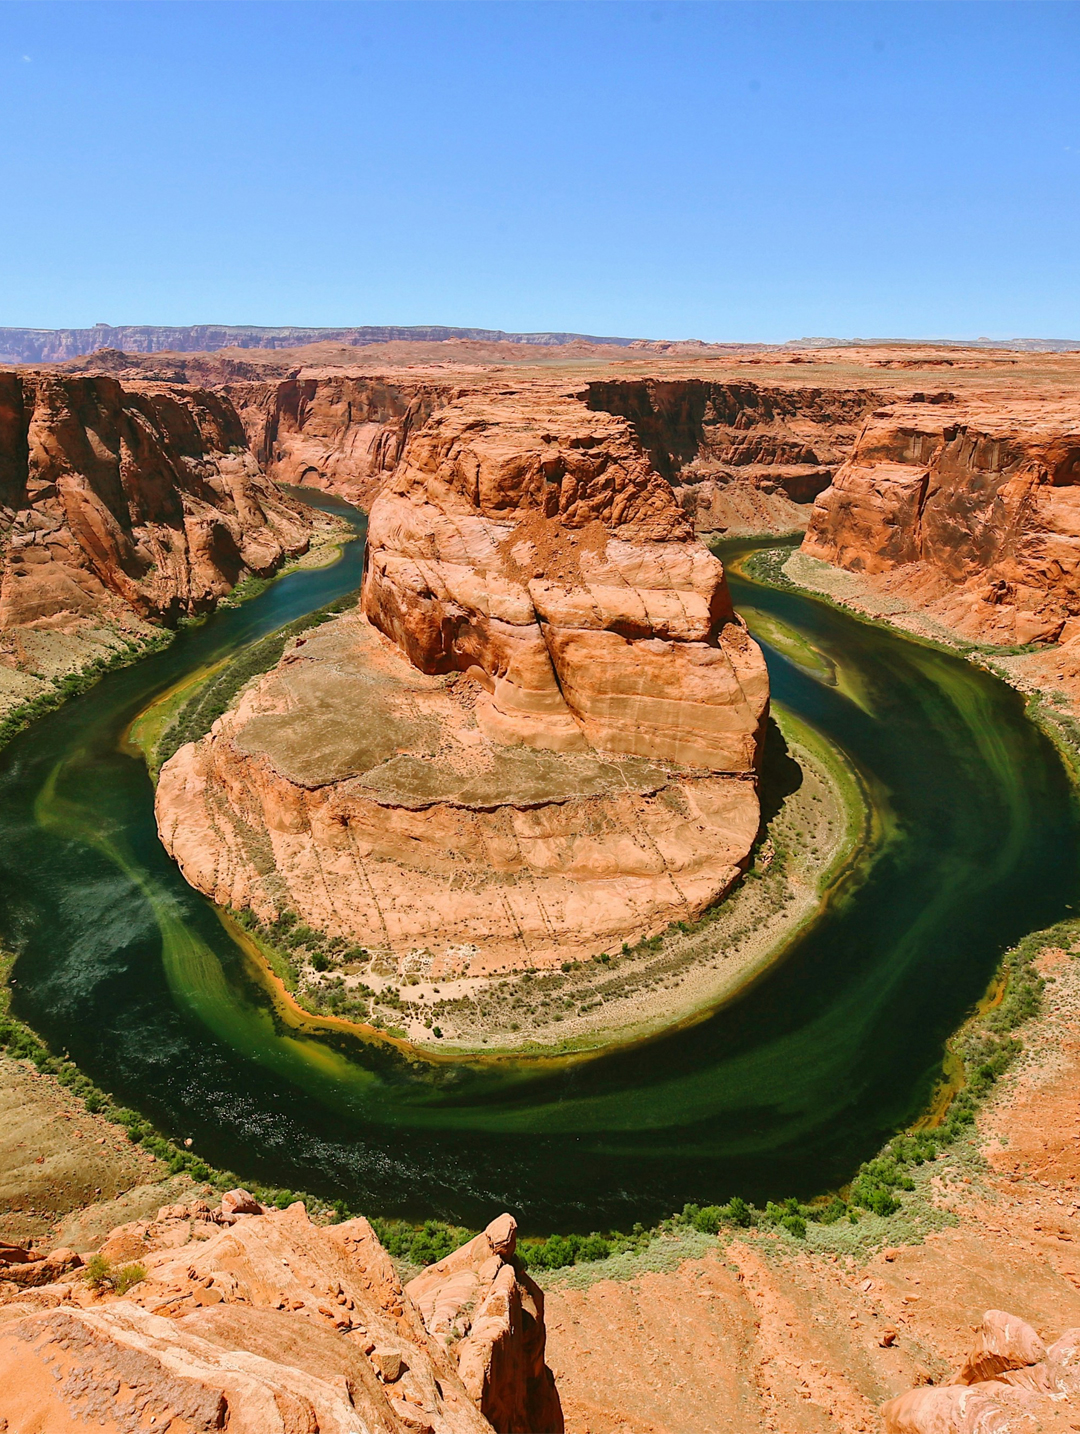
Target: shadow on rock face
x=781, y=775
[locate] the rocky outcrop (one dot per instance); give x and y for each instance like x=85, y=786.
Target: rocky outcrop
x=136, y=499
x=262, y=1321
x=480, y=1301
x=1009, y=1381
x=563, y=715
x=971, y=508
x=533, y=546
x=741, y=457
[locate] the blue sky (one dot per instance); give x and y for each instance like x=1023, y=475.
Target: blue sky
x=718, y=171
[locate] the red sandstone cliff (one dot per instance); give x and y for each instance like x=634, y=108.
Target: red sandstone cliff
x=140, y=498
x=339, y=431
x=972, y=508
x=530, y=543
x=739, y=455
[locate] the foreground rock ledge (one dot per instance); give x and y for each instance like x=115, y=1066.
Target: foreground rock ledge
x=540, y=739
x=265, y=1323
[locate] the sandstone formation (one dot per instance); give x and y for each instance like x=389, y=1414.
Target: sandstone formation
x=972, y=508
x=561, y=722
x=340, y=431
x=141, y=499
x=480, y=1299
x=1009, y=1381
x=532, y=545
x=740, y=456
x=261, y=1322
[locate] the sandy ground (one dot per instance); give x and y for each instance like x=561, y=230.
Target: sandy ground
x=767, y=1335
x=64, y=1173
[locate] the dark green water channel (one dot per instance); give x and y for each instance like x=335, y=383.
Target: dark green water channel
x=782, y=1092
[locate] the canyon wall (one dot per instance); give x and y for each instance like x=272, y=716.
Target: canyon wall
x=561, y=714
x=970, y=508
x=338, y=431
x=140, y=498
x=740, y=456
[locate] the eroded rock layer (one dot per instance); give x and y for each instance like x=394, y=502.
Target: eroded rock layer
x=741, y=456
x=541, y=737
x=141, y=498
x=262, y=1322
x=971, y=508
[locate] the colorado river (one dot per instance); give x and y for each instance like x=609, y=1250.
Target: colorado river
x=782, y=1092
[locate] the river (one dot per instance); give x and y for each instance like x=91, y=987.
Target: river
x=781, y=1092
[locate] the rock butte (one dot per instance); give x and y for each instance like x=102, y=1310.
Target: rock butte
x=562, y=715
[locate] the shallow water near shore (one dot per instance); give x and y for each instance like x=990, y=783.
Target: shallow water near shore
x=781, y=1092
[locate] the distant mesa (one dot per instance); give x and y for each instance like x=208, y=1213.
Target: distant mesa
x=58, y=345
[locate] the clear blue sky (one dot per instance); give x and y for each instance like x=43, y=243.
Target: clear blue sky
x=717, y=171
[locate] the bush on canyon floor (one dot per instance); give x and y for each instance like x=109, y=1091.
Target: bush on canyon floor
x=100, y=1275
x=417, y=1245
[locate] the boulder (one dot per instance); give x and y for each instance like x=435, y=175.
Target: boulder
x=1002, y=1342
x=240, y=1202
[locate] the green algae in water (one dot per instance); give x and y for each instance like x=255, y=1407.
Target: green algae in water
x=784, y=1090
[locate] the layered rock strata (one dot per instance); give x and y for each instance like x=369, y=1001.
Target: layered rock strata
x=141, y=499
x=741, y=456
x=541, y=738
x=970, y=508
x=259, y=1322
x=339, y=431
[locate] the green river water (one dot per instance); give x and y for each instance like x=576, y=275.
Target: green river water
x=781, y=1092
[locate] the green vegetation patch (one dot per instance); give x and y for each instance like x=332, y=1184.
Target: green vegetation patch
x=72, y=684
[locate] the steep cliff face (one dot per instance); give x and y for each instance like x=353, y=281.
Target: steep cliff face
x=142, y=498
x=341, y=432
x=973, y=507
x=562, y=714
x=740, y=456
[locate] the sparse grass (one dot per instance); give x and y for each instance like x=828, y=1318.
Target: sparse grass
x=102, y=1276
